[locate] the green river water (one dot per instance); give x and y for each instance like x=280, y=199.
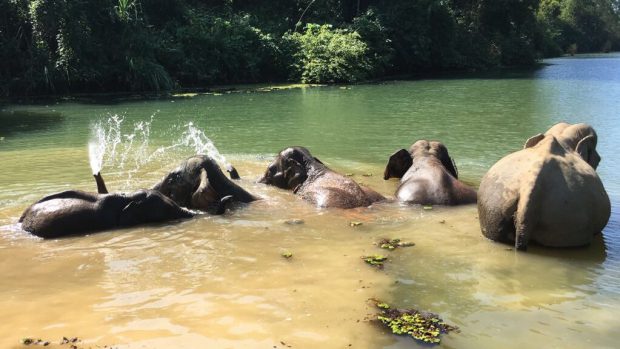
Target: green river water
x=221, y=282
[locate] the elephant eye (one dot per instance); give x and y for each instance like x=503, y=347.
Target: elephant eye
x=174, y=177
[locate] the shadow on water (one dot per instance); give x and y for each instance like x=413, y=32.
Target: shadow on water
x=12, y=122
x=514, y=73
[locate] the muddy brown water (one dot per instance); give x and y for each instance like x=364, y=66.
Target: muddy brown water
x=222, y=282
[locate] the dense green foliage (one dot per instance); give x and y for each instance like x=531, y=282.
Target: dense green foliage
x=57, y=46
x=323, y=54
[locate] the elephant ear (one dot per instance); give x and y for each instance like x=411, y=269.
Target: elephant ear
x=398, y=164
x=586, y=148
x=447, y=161
x=294, y=174
x=532, y=141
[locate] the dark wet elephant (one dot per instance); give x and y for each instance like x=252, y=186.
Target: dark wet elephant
x=548, y=192
x=296, y=169
x=76, y=212
x=428, y=176
x=199, y=183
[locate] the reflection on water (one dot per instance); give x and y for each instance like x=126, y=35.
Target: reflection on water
x=21, y=121
x=222, y=282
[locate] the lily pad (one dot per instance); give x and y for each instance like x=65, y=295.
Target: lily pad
x=422, y=326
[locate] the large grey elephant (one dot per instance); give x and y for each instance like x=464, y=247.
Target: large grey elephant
x=428, y=176
x=77, y=212
x=199, y=183
x=295, y=169
x=548, y=192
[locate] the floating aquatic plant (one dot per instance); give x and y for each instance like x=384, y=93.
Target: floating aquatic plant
x=71, y=341
x=294, y=221
x=392, y=244
x=375, y=260
x=383, y=305
x=287, y=254
x=423, y=326
x=32, y=341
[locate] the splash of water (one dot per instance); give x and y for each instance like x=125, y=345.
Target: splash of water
x=105, y=137
x=128, y=152
x=110, y=147
x=196, y=139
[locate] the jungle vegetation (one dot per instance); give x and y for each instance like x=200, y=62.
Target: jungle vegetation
x=64, y=46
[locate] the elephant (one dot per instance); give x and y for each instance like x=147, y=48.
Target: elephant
x=548, y=193
x=76, y=212
x=294, y=168
x=428, y=176
x=198, y=183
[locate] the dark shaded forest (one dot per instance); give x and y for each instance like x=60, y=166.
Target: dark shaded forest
x=65, y=46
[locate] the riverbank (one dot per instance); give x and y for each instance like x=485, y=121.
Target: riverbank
x=49, y=48
x=216, y=90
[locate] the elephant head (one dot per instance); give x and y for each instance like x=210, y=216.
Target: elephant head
x=290, y=168
x=580, y=138
x=400, y=162
x=295, y=169
x=181, y=183
x=198, y=183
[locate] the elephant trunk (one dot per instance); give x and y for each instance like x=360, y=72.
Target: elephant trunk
x=232, y=171
x=101, y=188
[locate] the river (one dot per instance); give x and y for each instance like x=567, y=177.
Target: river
x=221, y=282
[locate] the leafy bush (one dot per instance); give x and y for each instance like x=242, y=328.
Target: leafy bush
x=211, y=49
x=375, y=35
x=325, y=54
x=57, y=46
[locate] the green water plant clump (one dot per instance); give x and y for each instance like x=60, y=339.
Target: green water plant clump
x=392, y=244
x=422, y=326
x=376, y=260
x=287, y=255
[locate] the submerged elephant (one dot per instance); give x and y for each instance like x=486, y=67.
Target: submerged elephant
x=76, y=212
x=198, y=183
x=428, y=176
x=296, y=169
x=548, y=192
